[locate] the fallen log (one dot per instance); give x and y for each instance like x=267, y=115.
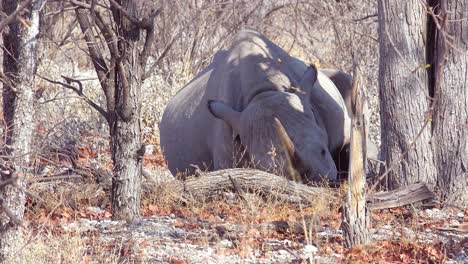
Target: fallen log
x=405, y=195
x=270, y=185
x=253, y=181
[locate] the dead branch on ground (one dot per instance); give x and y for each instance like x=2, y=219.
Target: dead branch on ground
x=270, y=185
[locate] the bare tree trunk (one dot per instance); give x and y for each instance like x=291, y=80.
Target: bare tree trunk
x=121, y=79
x=20, y=64
x=126, y=138
x=451, y=118
x=403, y=92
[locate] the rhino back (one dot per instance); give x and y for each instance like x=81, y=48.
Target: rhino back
x=187, y=126
x=261, y=66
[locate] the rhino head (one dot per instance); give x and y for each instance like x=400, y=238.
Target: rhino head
x=278, y=124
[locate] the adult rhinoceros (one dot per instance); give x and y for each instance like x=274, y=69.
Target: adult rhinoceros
x=230, y=114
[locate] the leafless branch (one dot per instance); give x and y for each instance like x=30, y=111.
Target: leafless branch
x=13, y=16
x=58, y=178
x=96, y=56
x=163, y=53
x=364, y=18
x=144, y=22
x=109, y=35
x=7, y=82
x=85, y=5
x=79, y=91
x=441, y=23
x=148, y=43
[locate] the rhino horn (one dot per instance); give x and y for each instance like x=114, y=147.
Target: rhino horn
x=284, y=137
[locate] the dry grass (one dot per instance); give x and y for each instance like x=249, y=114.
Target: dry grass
x=50, y=248
x=251, y=213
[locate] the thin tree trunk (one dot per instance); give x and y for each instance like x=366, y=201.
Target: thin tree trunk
x=121, y=80
x=355, y=216
x=126, y=130
x=403, y=91
x=451, y=119
x=126, y=146
x=19, y=63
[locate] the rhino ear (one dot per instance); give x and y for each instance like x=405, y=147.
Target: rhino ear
x=309, y=78
x=224, y=112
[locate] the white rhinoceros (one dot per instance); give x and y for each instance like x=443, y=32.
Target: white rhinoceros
x=225, y=117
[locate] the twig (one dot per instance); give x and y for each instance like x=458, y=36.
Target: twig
x=364, y=18
x=58, y=178
x=145, y=22
x=7, y=82
x=164, y=53
x=79, y=91
x=441, y=26
x=13, y=16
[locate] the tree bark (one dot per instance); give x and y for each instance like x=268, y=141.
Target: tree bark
x=451, y=115
x=403, y=90
x=121, y=79
x=126, y=137
x=20, y=64
x=355, y=217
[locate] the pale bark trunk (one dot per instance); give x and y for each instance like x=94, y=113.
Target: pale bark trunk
x=451, y=118
x=403, y=91
x=356, y=221
x=20, y=63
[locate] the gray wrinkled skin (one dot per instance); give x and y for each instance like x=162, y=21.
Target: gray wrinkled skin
x=224, y=117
